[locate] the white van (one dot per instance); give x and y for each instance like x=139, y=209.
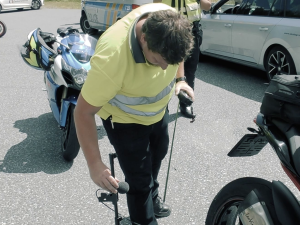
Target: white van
x=101, y=14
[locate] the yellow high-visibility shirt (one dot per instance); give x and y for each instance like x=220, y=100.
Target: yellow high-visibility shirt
x=121, y=81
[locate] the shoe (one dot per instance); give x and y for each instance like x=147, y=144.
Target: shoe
x=187, y=111
x=160, y=208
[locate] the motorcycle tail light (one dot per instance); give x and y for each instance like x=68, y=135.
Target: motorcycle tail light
x=292, y=176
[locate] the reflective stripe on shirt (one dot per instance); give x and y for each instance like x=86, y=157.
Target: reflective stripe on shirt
x=121, y=101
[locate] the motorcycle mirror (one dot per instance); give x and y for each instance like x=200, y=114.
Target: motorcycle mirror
x=70, y=45
x=62, y=31
x=67, y=47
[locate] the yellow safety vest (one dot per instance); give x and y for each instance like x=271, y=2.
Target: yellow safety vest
x=189, y=8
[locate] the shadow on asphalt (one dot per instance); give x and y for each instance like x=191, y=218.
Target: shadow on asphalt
x=242, y=80
x=40, y=151
x=15, y=10
x=70, y=24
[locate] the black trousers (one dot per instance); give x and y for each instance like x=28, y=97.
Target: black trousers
x=140, y=150
x=191, y=63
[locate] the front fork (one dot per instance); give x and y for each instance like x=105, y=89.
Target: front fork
x=65, y=104
x=64, y=100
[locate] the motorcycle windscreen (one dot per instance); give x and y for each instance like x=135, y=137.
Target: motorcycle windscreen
x=82, y=47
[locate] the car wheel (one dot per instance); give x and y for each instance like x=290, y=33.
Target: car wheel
x=85, y=26
x=279, y=61
x=35, y=4
x=2, y=29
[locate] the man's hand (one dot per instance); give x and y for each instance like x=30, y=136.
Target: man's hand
x=88, y=138
x=182, y=85
x=205, y=5
x=101, y=175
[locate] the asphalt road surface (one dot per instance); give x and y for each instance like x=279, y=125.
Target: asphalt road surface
x=39, y=187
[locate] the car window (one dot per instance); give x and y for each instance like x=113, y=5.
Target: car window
x=255, y=7
x=226, y=8
x=293, y=8
x=277, y=8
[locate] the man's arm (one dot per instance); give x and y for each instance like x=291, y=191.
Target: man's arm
x=182, y=85
x=86, y=129
x=205, y=5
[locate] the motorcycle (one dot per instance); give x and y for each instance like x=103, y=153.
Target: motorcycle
x=255, y=201
x=2, y=29
x=65, y=60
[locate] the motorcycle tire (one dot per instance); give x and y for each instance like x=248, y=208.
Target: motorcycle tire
x=3, y=28
x=223, y=209
x=70, y=144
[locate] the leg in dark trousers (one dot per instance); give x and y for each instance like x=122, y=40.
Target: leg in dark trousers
x=140, y=150
x=190, y=67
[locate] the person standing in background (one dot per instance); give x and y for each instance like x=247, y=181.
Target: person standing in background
x=192, y=10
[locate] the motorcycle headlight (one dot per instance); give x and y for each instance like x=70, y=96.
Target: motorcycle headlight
x=79, y=75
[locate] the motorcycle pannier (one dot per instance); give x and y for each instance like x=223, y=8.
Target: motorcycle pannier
x=282, y=99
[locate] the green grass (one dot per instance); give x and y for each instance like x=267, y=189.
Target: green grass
x=62, y=4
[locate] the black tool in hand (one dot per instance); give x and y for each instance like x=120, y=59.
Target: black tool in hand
x=185, y=99
x=113, y=198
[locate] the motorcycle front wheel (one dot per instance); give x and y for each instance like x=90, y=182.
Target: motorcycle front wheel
x=70, y=144
x=223, y=209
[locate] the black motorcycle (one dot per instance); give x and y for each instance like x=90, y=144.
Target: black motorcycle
x=2, y=29
x=255, y=201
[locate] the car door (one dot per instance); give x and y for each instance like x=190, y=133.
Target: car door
x=255, y=20
x=93, y=9
x=25, y=3
x=217, y=27
x=7, y=4
x=16, y=4
x=103, y=13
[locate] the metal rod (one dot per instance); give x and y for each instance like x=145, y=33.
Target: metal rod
x=112, y=156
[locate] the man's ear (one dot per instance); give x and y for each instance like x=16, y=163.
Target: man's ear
x=142, y=39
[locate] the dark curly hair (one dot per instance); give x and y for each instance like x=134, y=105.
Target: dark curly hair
x=170, y=34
